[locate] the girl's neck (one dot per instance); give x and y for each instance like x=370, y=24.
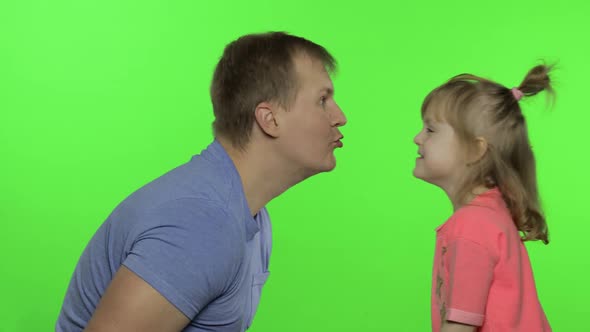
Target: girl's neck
x=459, y=202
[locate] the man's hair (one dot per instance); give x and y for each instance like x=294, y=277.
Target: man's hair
x=256, y=68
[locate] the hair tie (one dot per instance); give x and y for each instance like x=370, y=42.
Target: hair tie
x=517, y=93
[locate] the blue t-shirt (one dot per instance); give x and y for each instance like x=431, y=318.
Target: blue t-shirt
x=191, y=236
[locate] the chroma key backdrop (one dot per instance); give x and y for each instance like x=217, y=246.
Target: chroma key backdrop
x=97, y=98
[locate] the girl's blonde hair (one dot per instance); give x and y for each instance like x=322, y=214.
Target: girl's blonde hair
x=479, y=108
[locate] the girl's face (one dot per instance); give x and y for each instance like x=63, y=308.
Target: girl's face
x=441, y=160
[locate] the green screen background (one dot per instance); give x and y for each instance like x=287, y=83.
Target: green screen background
x=99, y=97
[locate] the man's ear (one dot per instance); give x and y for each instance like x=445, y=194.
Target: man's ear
x=480, y=150
x=265, y=118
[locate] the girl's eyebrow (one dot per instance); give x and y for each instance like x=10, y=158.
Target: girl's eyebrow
x=328, y=90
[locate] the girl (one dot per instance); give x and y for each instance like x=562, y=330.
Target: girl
x=474, y=145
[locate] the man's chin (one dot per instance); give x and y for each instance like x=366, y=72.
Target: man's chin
x=326, y=167
x=329, y=169
x=330, y=165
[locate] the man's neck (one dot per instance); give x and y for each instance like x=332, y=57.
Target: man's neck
x=264, y=175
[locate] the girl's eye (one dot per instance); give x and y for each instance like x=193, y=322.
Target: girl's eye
x=428, y=130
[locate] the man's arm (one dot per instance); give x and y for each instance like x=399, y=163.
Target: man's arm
x=131, y=304
x=456, y=327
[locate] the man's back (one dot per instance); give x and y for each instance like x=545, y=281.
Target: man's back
x=189, y=234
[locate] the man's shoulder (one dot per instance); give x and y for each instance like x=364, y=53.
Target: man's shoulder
x=202, y=197
x=194, y=216
x=193, y=195
x=199, y=181
x=199, y=178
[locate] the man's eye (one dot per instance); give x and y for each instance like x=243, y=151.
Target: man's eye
x=428, y=130
x=323, y=100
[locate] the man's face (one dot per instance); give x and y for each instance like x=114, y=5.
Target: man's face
x=309, y=129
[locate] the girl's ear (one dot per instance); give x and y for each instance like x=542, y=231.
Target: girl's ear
x=480, y=150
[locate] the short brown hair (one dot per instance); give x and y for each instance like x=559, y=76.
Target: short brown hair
x=478, y=107
x=253, y=69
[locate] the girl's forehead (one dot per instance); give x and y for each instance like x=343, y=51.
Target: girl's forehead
x=433, y=115
x=438, y=106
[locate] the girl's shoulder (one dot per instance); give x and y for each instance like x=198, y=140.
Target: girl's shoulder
x=479, y=222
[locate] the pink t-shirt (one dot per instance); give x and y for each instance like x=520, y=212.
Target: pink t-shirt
x=482, y=275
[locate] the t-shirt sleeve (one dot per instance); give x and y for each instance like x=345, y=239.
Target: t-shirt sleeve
x=471, y=268
x=185, y=250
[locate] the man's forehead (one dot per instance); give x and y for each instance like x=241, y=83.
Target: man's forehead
x=308, y=65
x=311, y=75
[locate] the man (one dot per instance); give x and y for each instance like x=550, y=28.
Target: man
x=190, y=250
